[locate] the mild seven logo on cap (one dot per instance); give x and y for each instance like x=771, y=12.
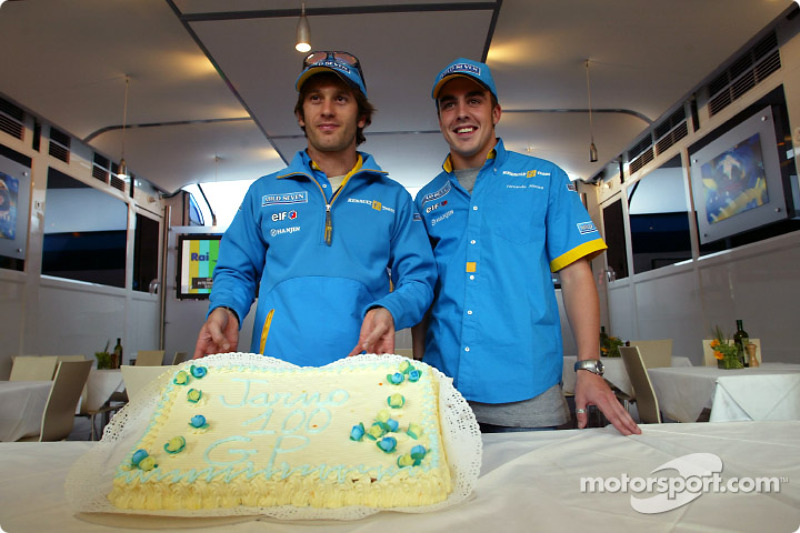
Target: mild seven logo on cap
x=461, y=67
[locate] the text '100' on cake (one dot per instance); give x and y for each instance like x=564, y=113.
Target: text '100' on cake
x=349, y=435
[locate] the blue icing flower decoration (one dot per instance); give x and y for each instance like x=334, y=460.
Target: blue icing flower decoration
x=414, y=375
x=395, y=379
x=175, y=445
x=387, y=444
x=181, y=378
x=198, y=371
x=198, y=422
x=417, y=453
x=194, y=395
x=396, y=401
x=392, y=424
x=357, y=433
x=138, y=455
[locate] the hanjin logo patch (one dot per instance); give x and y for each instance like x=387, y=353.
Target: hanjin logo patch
x=586, y=227
x=300, y=197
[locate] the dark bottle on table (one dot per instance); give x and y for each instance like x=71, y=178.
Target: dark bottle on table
x=741, y=339
x=116, y=355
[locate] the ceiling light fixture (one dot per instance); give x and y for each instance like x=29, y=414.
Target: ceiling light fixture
x=303, y=31
x=592, y=147
x=122, y=172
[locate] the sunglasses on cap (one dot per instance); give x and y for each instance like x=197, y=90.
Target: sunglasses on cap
x=343, y=57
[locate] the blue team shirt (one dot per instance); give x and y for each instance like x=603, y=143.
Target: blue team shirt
x=312, y=296
x=495, y=326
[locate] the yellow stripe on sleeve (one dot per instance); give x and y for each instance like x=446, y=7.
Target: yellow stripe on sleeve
x=265, y=331
x=589, y=250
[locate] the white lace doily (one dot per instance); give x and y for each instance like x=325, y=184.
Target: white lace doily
x=90, y=478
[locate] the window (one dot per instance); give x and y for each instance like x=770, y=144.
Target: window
x=85, y=232
x=659, y=218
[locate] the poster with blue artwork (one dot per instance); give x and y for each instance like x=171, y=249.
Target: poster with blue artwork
x=9, y=199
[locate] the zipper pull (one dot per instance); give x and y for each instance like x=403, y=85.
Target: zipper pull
x=328, y=225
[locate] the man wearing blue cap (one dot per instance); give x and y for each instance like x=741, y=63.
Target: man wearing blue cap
x=324, y=240
x=499, y=223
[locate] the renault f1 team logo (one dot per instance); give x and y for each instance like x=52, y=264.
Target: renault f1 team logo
x=435, y=206
x=284, y=215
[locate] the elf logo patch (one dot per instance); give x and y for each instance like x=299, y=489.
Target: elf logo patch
x=586, y=227
x=284, y=215
x=434, y=207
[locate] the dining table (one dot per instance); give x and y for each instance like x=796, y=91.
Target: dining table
x=22, y=408
x=613, y=371
x=565, y=480
x=767, y=392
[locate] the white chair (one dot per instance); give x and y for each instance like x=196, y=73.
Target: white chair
x=59, y=411
x=644, y=395
x=150, y=358
x=138, y=377
x=33, y=368
x=655, y=353
x=180, y=357
x=708, y=353
x=71, y=357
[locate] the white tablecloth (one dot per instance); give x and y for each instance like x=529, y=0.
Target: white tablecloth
x=768, y=392
x=99, y=387
x=529, y=482
x=614, y=372
x=21, y=408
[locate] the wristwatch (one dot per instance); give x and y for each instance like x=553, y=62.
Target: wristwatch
x=592, y=365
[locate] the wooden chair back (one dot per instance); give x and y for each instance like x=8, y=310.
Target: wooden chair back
x=138, y=377
x=59, y=411
x=180, y=357
x=655, y=353
x=646, y=401
x=150, y=358
x=33, y=368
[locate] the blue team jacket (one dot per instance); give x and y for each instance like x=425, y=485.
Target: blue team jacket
x=317, y=279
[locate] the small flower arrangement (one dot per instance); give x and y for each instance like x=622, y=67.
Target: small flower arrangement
x=103, y=358
x=609, y=346
x=725, y=350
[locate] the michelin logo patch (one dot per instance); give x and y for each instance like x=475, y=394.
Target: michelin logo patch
x=300, y=197
x=586, y=227
x=436, y=195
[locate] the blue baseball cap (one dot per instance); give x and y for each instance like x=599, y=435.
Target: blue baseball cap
x=465, y=68
x=343, y=64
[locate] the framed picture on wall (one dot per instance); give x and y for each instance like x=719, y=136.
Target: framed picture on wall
x=15, y=191
x=736, y=179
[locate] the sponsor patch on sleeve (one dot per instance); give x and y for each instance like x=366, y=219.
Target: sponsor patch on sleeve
x=571, y=186
x=586, y=227
x=417, y=217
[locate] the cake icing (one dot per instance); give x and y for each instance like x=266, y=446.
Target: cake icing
x=226, y=436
